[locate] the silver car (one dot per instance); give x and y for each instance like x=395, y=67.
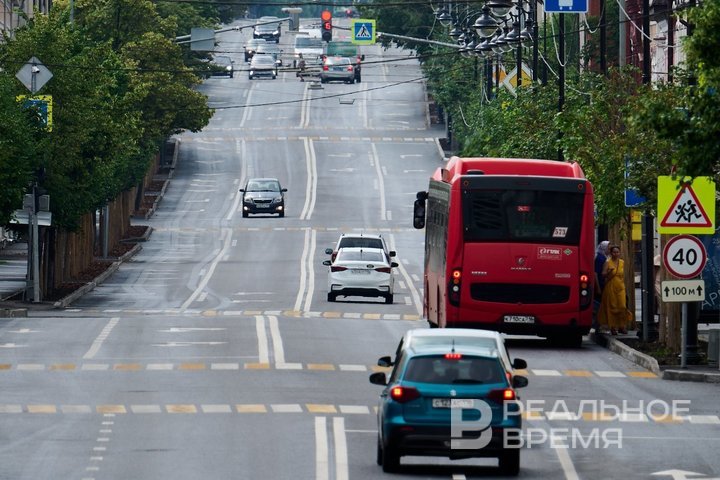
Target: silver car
x=262, y=66
x=337, y=68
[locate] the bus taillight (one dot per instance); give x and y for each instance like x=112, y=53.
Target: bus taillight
x=585, y=293
x=454, y=287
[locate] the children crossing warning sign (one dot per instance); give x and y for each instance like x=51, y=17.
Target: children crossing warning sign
x=686, y=208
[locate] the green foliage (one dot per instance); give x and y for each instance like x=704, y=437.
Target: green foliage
x=119, y=88
x=20, y=143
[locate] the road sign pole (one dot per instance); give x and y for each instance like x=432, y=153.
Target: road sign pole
x=649, y=330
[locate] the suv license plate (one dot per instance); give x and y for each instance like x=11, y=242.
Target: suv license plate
x=519, y=319
x=452, y=403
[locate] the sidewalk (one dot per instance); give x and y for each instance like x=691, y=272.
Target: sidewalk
x=693, y=373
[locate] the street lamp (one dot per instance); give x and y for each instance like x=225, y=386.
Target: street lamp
x=485, y=25
x=500, y=8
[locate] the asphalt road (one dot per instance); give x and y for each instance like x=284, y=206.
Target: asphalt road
x=214, y=354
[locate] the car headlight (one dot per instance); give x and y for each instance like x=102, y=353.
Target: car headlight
x=229, y=68
x=252, y=72
x=247, y=200
x=277, y=200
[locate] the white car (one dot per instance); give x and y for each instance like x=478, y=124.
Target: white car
x=310, y=49
x=456, y=336
x=360, y=272
x=360, y=240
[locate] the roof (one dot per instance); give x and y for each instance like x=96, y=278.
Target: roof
x=457, y=166
x=453, y=332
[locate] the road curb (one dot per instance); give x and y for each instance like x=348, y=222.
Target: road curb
x=618, y=347
x=13, y=312
x=689, y=376
x=65, y=301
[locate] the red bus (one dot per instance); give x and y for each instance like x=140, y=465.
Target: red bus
x=509, y=246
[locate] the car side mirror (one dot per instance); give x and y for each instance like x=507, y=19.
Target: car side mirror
x=242, y=190
x=519, y=364
x=328, y=251
x=385, y=361
x=419, y=213
x=392, y=253
x=283, y=190
x=394, y=264
x=378, y=378
x=362, y=57
x=519, y=381
x=327, y=263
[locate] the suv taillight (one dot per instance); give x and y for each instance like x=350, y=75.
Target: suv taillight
x=404, y=394
x=500, y=395
x=325, y=68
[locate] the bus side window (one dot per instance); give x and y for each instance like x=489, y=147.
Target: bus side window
x=419, y=210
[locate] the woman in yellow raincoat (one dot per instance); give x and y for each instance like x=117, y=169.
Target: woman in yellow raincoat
x=613, y=304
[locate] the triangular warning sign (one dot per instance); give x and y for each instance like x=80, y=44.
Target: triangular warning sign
x=686, y=211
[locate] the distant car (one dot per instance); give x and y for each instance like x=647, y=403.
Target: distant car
x=360, y=272
x=251, y=46
x=263, y=195
x=309, y=49
x=222, y=66
x=262, y=66
x=448, y=337
x=270, y=49
x=361, y=240
x=268, y=31
x=337, y=68
x=427, y=383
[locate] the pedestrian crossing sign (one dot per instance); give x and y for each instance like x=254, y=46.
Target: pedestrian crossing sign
x=686, y=207
x=363, y=31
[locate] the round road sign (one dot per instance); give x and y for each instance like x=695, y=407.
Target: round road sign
x=684, y=256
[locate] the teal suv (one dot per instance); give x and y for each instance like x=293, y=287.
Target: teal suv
x=448, y=401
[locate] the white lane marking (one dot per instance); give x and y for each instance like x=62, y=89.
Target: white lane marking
x=305, y=111
x=321, y=450
x=191, y=329
x=609, y=374
x=363, y=106
x=278, y=351
x=380, y=180
x=566, y=464
x=411, y=286
x=308, y=184
x=341, y=454
x=355, y=410
x=546, y=373
x=303, y=273
x=458, y=476
x=313, y=177
x=263, y=353
x=95, y=347
x=311, y=271
x=227, y=233
x=286, y=408
x=247, y=110
x=440, y=148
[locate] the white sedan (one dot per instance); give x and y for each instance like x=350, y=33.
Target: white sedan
x=361, y=272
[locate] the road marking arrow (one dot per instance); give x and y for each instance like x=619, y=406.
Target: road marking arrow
x=192, y=329
x=682, y=474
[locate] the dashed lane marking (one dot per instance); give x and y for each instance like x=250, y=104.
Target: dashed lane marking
x=321, y=408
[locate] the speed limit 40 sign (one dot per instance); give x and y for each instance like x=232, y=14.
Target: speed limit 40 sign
x=684, y=256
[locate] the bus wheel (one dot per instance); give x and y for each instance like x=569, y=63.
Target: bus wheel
x=432, y=325
x=389, y=298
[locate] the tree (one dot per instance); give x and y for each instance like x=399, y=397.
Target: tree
x=21, y=141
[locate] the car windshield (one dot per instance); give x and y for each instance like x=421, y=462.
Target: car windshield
x=438, y=369
x=337, y=61
x=360, y=255
x=449, y=341
x=361, y=242
x=263, y=59
x=263, y=186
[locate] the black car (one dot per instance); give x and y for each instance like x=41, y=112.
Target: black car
x=263, y=195
x=222, y=66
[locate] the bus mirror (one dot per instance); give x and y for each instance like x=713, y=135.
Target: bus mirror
x=419, y=214
x=421, y=195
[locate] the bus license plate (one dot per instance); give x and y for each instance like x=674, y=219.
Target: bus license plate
x=519, y=319
x=452, y=403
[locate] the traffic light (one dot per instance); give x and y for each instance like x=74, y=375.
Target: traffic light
x=326, y=17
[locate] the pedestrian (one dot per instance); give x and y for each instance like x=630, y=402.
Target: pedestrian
x=613, y=304
x=600, y=258
x=301, y=68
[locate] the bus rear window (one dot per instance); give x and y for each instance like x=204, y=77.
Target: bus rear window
x=530, y=216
